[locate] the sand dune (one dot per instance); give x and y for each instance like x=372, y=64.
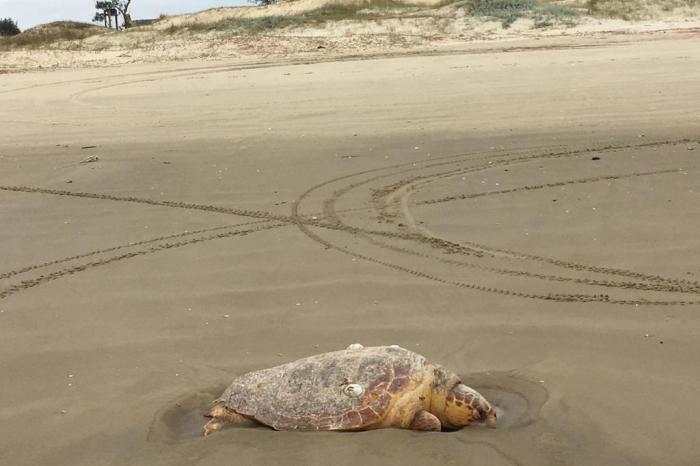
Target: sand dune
x=309, y=30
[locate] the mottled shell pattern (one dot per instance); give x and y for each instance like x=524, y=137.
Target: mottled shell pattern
x=342, y=390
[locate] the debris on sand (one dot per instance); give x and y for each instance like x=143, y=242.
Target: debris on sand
x=91, y=159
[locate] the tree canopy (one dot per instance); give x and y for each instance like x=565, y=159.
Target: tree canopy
x=108, y=8
x=8, y=27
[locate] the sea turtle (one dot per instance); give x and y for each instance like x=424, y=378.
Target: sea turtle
x=354, y=389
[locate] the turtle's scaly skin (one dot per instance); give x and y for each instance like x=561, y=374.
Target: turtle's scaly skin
x=354, y=389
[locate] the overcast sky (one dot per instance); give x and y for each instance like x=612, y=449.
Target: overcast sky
x=29, y=13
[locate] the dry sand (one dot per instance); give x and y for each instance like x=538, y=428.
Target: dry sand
x=528, y=219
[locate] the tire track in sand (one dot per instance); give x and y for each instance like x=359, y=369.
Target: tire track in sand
x=673, y=286
x=304, y=224
x=129, y=245
x=406, y=187
x=42, y=279
x=26, y=284
x=591, y=179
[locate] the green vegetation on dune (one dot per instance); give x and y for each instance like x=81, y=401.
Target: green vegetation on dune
x=637, y=9
x=8, y=27
x=48, y=34
x=542, y=13
x=508, y=11
x=382, y=9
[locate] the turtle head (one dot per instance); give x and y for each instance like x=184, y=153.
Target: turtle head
x=464, y=406
x=457, y=405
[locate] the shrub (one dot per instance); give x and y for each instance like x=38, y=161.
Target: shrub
x=51, y=34
x=636, y=9
x=8, y=27
x=508, y=11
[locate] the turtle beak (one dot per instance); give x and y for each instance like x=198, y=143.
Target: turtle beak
x=488, y=415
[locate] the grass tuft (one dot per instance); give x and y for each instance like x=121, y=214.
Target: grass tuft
x=630, y=10
x=509, y=11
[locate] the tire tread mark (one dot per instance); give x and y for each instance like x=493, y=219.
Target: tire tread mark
x=304, y=224
x=479, y=250
x=557, y=184
x=329, y=211
x=96, y=252
x=31, y=283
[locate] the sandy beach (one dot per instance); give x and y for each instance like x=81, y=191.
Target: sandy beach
x=526, y=216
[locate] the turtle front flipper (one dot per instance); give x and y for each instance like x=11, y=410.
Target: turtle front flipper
x=426, y=421
x=220, y=416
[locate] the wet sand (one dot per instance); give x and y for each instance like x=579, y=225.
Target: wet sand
x=528, y=219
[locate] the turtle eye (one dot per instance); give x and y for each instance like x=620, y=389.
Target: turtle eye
x=353, y=390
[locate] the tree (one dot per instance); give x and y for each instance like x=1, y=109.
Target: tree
x=122, y=7
x=100, y=18
x=107, y=9
x=8, y=27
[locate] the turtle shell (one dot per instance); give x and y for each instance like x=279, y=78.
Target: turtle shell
x=343, y=390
